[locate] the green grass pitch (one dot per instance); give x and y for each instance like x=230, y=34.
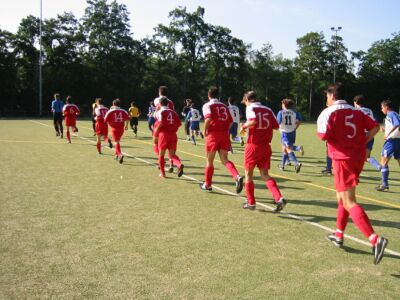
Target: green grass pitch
x=75, y=224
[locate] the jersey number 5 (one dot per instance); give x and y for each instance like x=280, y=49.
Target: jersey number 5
x=348, y=123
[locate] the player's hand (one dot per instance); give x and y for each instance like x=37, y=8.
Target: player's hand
x=385, y=137
x=242, y=131
x=126, y=127
x=382, y=129
x=205, y=133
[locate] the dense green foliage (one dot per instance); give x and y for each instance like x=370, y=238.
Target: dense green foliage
x=97, y=56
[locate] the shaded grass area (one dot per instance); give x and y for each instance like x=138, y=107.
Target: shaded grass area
x=75, y=224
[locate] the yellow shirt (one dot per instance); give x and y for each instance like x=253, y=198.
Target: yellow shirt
x=133, y=112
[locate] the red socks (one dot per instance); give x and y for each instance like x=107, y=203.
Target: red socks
x=117, y=149
x=209, y=172
x=273, y=188
x=342, y=219
x=161, y=163
x=232, y=169
x=176, y=161
x=362, y=222
x=249, y=187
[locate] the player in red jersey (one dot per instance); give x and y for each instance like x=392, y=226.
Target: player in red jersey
x=101, y=126
x=116, y=118
x=261, y=123
x=347, y=130
x=217, y=121
x=70, y=112
x=162, y=92
x=168, y=124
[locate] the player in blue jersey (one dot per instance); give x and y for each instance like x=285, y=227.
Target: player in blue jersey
x=289, y=120
x=57, y=110
x=150, y=116
x=391, y=147
x=359, y=102
x=193, y=117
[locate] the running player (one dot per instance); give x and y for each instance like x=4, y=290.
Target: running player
x=168, y=124
x=162, y=92
x=116, y=119
x=150, y=116
x=94, y=117
x=235, y=113
x=359, y=102
x=289, y=121
x=185, y=111
x=391, y=147
x=261, y=122
x=134, y=114
x=101, y=125
x=343, y=128
x=216, y=130
x=70, y=112
x=57, y=110
x=194, y=118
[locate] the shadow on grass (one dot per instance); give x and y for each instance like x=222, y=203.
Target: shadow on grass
x=333, y=204
x=395, y=275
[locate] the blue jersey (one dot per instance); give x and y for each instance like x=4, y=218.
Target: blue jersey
x=287, y=120
x=392, y=120
x=57, y=106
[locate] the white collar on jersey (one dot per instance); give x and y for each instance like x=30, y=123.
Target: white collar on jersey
x=339, y=102
x=213, y=100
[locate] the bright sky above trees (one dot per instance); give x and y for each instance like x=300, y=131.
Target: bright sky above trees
x=253, y=21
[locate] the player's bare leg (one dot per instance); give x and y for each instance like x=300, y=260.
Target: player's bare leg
x=223, y=155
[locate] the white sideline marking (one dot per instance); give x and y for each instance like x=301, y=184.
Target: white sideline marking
x=357, y=240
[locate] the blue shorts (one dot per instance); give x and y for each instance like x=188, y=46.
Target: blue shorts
x=370, y=144
x=234, y=128
x=194, y=125
x=151, y=121
x=391, y=148
x=288, y=138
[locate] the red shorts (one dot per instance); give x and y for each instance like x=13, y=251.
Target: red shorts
x=257, y=155
x=101, y=129
x=218, y=140
x=347, y=173
x=167, y=141
x=70, y=122
x=117, y=133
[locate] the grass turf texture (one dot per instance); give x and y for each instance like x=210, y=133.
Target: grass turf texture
x=77, y=224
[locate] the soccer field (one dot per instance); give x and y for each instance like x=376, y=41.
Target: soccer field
x=75, y=224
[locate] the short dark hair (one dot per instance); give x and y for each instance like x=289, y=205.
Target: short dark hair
x=68, y=99
x=231, y=100
x=116, y=102
x=251, y=96
x=163, y=101
x=213, y=92
x=288, y=103
x=99, y=100
x=132, y=103
x=162, y=90
x=336, y=89
x=56, y=96
x=387, y=103
x=359, y=99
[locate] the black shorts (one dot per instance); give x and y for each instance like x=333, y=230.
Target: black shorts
x=134, y=121
x=57, y=117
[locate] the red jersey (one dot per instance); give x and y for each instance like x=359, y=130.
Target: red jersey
x=70, y=111
x=158, y=105
x=169, y=120
x=100, y=113
x=343, y=127
x=116, y=118
x=219, y=114
x=262, y=132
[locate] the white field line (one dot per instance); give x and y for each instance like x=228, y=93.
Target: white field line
x=292, y=216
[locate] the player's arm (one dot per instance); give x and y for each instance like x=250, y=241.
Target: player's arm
x=372, y=132
x=207, y=123
x=249, y=123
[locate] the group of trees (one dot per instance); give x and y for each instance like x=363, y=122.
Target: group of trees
x=97, y=56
